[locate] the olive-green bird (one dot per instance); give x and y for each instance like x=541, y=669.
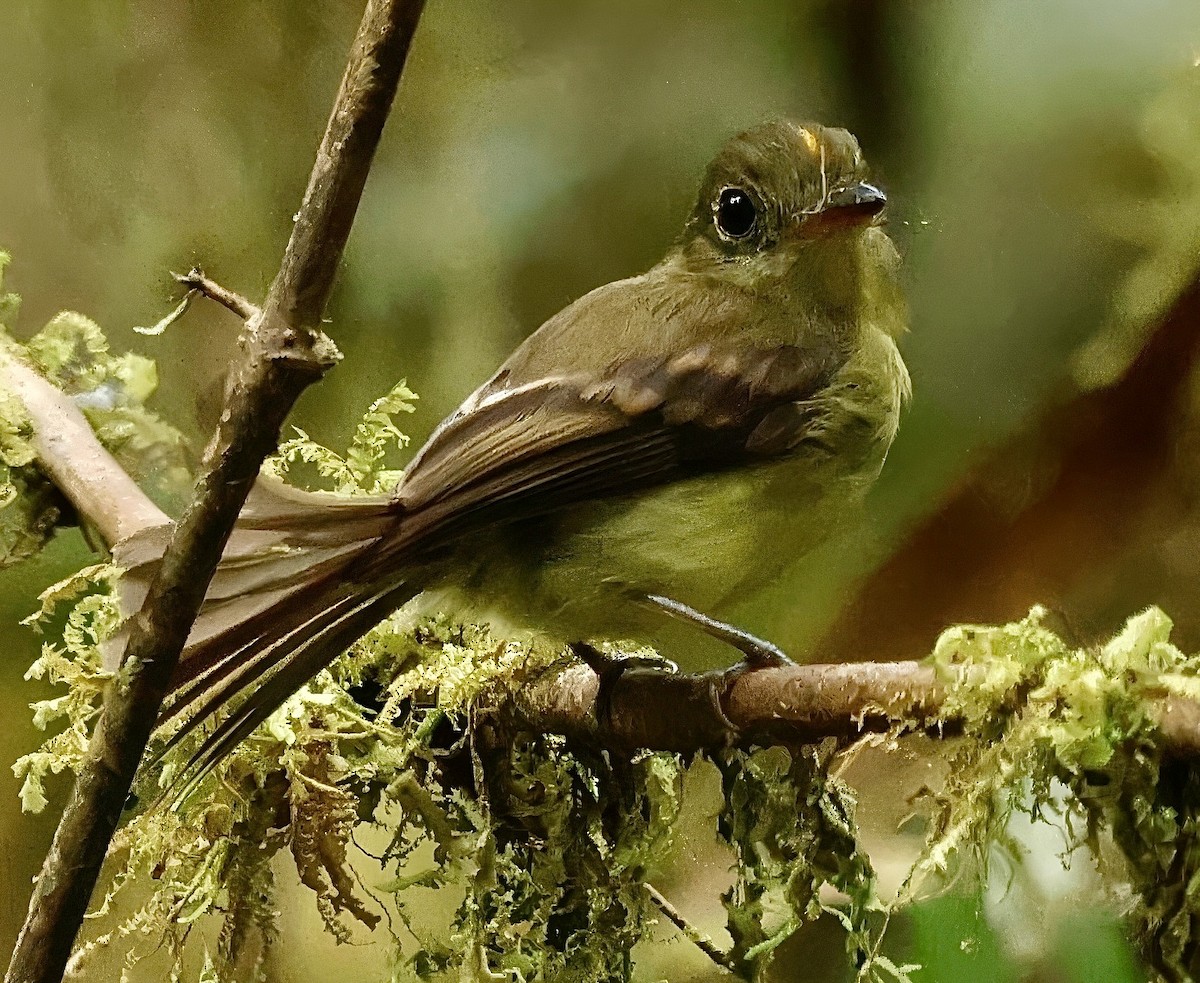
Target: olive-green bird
x=649, y=454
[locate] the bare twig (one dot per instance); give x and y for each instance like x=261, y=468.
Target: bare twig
x=283, y=352
x=196, y=280
x=74, y=459
x=693, y=934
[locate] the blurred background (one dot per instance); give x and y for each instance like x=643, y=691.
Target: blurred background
x=1042, y=158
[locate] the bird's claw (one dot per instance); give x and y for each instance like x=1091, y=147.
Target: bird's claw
x=610, y=668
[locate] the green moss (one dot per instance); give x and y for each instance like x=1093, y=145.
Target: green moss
x=73, y=662
x=791, y=826
x=360, y=470
x=1087, y=723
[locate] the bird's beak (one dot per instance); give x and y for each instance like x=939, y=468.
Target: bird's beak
x=858, y=202
x=845, y=208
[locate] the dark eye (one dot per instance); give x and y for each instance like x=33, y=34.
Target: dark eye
x=736, y=215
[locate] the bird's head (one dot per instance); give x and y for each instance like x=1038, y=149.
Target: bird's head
x=790, y=205
x=781, y=182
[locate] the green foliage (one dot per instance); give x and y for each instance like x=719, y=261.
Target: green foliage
x=361, y=469
x=93, y=616
x=943, y=926
x=27, y=509
x=558, y=890
x=10, y=302
x=1095, y=948
x=112, y=391
x=29, y=505
x=791, y=826
x=547, y=849
x=1087, y=723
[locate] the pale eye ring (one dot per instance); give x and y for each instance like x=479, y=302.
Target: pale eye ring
x=735, y=214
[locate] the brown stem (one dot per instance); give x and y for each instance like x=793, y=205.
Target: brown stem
x=71, y=456
x=654, y=708
x=196, y=280
x=658, y=710
x=283, y=351
x=693, y=934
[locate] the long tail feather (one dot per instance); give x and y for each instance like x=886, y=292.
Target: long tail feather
x=241, y=667
x=243, y=640
x=311, y=653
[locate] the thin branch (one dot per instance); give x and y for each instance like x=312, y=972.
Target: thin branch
x=785, y=705
x=196, y=280
x=68, y=451
x=789, y=704
x=283, y=351
x=71, y=456
x=693, y=934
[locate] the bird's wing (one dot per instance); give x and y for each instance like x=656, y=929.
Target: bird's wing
x=536, y=448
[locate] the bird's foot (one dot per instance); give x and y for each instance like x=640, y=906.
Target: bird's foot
x=757, y=653
x=610, y=668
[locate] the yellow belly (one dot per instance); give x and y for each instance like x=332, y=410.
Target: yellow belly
x=705, y=541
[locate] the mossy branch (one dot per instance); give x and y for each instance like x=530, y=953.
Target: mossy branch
x=283, y=352
x=1138, y=681
x=658, y=710
x=71, y=456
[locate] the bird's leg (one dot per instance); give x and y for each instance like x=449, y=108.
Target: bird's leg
x=610, y=668
x=758, y=653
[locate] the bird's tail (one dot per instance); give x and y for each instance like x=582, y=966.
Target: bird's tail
x=275, y=669
x=284, y=602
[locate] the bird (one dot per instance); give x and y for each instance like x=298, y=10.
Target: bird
x=654, y=451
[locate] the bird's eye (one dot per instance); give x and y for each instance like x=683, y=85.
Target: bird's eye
x=736, y=215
